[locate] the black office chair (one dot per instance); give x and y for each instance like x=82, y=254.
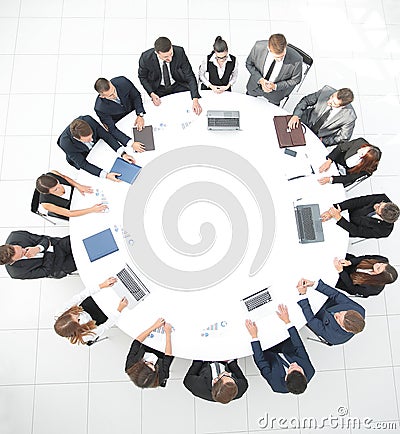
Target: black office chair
x=35, y=209
x=307, y=63
x=319, y=339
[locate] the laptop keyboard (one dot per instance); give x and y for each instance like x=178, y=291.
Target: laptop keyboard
x=223, y=122
x=307, y=224
x=258, y=300
x=132, y=283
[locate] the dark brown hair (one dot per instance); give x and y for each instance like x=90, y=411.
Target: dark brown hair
x=369, y=162
x=296, y=382
x=102, y=85
x=162, y=44
x=388, y=275
x=345, y=95
x=142, y=375
x=224, y=392
x=277, y=43
x=220, y=45
x=6, y=253
x=80, y=129
x=45, y=182
x=390, y=212
x=67, y=327
x=353, y=322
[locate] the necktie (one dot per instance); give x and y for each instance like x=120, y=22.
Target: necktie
x=217, y=368
x=371, y=214
x=271, y=68
x=286, y=364
x=319, y=122
x=166, y=77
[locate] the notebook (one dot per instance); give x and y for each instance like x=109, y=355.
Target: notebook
x=100, y=245
x=145, y=136
x=128, y=171
x=286, y=137
x=130, y=286
x=223, y=120
x=309, y=223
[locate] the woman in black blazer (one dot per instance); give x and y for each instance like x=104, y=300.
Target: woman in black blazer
x=54, y=192
x=145, y=366
x=364, y=275
x=358, y=157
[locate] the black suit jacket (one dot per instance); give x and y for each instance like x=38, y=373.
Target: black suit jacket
x=77, y=152
x=340, y=154
x=181, y=71
x=323, y=323
x=346, y=284
x=199, y=378
x=55, y=264
x=360, y=225
x=110, y=112
x=271, y=365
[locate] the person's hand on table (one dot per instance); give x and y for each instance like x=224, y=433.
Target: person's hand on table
x=283, y=313
x=335, y=212
x=293, y=122
x=303, y=284
x=196, y=106
x=155, y=98
x=122, y=304
x=84, y=189
x=99, y=207
x=138, y=147
x=338, y=265
x=159, y=323
x=325, y=216
x=214, y=88
x=222, y=89
x=139, y=123
x=128, y=158
x=112, y=176
x=31, y=252
x=252, y=328
x=324, y=167
x=167, y=328
x=108, y=282
x=324, y=180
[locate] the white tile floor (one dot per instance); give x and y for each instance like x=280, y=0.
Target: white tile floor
x=51, y=51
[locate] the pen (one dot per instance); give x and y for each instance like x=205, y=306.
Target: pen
x=297, y=177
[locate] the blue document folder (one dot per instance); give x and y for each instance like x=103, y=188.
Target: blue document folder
x=128, y=171
x=100, y=245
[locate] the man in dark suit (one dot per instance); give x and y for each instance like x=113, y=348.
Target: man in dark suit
x=338, y=320
x=78, y=139
x=165, y=70
x=286, y=366
x=216, y=381
x=275, y=69
x=328, y=113
x=371, y=216
x=116, y=99
x=31, y=256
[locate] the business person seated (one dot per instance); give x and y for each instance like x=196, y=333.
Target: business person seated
x=285, y=366
x=274, y=68
x=117, y=98
x=328, y=113
x=216, y=381
x=78, y=139
x=371, y=216
x=358, y=158
x=165, y=69
x=338, y=320
x=82, y=321
x=55, y=194
x=219, y=71
x=364, y=275
x=31, y=256
x=146, y=367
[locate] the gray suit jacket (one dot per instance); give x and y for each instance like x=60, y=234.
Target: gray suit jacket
x=334, y=130
x=288, y=77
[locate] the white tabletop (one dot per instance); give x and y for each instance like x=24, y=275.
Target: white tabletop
x=209, y=221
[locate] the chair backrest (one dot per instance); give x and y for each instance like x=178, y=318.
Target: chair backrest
x=35, y=207
x=356, y=182
x=308, y=60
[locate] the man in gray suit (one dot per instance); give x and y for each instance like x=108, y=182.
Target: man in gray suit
x=328, y=113
x=275, y=69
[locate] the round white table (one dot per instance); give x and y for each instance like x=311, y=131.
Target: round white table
x=209, y=221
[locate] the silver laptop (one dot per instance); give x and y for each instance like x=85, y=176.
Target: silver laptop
x=130, y=286
x=309, y=223
x=223, y=120
x=259, y=304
